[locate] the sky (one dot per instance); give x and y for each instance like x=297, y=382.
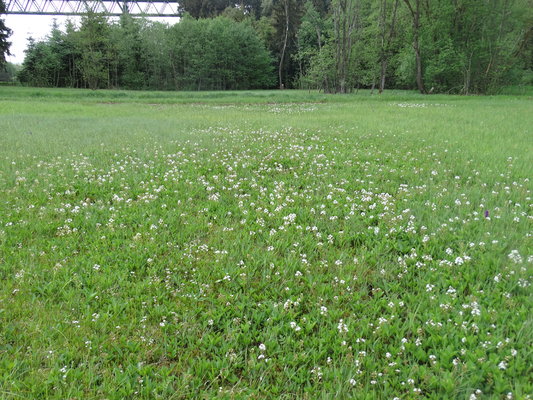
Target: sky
x=38, y=26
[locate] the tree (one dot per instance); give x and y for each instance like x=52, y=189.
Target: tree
x=313, y=20
x=5, y=33
x=286, y=18
x=379, y=19
x=92, y=41
x=385, y=48
x=472, y=47
x=415, y=17
x=128, y=42
x=286, y=12
x=39, y=65
x=9, y=72
x=345, y=17
x=58, y=61
x=336, y=45
x=217, y=54
x=213, y=8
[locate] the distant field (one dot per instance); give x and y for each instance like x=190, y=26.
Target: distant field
x=241, y=97
x=265, y=245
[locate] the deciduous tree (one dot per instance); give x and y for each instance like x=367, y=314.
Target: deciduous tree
x=5, y=33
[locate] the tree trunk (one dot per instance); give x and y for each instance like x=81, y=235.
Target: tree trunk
x=284, y=42
x=174, y=70
x=337, y=17
x=299, y=59
x=419, y=82
x=383, y=74
x=416, y=20
x=386, y=54
x=382, y=52
x=94, y=84
x=344, y=38
x=376, y=49
x=325, y=76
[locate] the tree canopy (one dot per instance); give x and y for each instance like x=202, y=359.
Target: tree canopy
x=5, y=33
x=337, y=46
x=206, y=54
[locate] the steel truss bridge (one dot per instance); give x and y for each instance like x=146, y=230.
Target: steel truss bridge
x=149, y=8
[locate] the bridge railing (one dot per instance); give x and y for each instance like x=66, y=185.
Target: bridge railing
x=162, y=8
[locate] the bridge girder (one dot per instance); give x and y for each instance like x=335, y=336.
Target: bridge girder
x=149, y=8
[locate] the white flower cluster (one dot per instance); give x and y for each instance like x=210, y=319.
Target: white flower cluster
x=515, y=257
x=342, y=327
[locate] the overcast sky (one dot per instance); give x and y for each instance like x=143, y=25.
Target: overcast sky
x=38, y=26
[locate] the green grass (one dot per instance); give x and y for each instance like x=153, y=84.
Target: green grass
x=85, y=96
x=265, y=245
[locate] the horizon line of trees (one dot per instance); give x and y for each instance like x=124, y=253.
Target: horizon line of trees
x=208, y=54
x=339, y=46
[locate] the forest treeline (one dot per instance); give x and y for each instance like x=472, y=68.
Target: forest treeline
x=444, y=46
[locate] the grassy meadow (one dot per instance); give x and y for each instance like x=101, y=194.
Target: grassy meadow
x=283, y=245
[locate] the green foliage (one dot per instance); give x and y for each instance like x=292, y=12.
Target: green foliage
x=218, y=54
x=41, y=62
x=9, y=72
x=208, y=54
x=474, y=48
x=335, y=46
x=286, y=19
x=465, y=56
x=92, y=40
x=5, y=33
x=213, y=8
